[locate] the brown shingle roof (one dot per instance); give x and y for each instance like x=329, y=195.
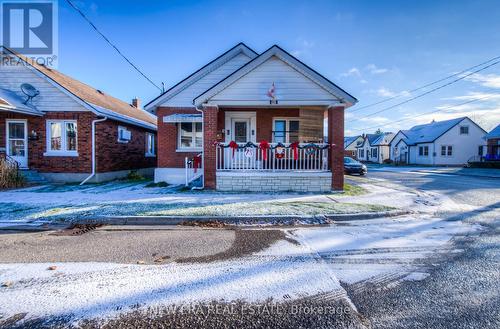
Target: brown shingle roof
x=91, y=95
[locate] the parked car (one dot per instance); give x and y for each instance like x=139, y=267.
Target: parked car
x=352, y=166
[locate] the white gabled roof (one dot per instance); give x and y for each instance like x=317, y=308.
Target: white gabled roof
x=335, y=92
x=183, y=92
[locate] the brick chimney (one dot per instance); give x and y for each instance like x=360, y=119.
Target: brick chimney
x=136, y=102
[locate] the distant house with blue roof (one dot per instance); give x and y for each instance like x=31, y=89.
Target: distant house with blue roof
x=375, y=147
x=493, y=144
x=449, y=142
x=350, y=144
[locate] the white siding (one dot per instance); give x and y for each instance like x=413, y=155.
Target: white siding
x=291, y=85
x=352, y=146
x=399, y=136
x=185, y=97
x=425, y=160
x=50, y=98
x=464, y=146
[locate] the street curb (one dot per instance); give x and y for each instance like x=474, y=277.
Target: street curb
x=176, y=220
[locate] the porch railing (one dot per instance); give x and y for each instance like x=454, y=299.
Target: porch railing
x=277, y=157
x=194, y=168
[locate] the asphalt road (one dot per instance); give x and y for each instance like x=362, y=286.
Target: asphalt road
x=476, y=191
x=464, y=291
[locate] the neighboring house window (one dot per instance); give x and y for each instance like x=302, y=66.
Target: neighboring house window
x=190, y=135
x=124, y=135
x=480, y=150
x=446, y=150
x=464, y=130
x=374, y=152
x=361, y=153
x=423, y=151
x=286, y=131
x=150, y=144
x=62, y=138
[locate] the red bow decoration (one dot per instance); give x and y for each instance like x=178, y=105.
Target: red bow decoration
x=295, y=148
x=264, y=146
x=234, y=146
x=196, y=163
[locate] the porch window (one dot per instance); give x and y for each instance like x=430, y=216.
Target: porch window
x=62, y=138
x=150, y=145
x=423, y=151
x=190, y=135
x=446, y=150
x=286, y=131
x=374, y=152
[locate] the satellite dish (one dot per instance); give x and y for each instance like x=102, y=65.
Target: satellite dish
x=29, y=91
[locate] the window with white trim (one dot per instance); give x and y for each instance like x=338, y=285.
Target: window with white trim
x=374, y=152
x=464, y=130
x=62, y=137
x=446, y=150
x=190, y=136
x=150, y=144
x=423, y=151
x=285, y=130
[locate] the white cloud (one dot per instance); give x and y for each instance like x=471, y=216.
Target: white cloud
x=475, y=95
x=375, y=120
x=352, y=72
x=384, y=92
x=373, y=69
x=486, y=80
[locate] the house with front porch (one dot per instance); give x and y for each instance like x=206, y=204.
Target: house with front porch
x=56, y=128
x=253, y=122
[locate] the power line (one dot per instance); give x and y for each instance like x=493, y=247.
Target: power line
x=427, y=92
x=111, y=44
x=426, y=113
x=426, y=85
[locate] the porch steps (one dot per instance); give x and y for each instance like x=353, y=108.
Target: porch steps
x=33, y=177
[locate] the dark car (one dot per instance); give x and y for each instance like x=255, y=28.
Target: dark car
x=352, y=166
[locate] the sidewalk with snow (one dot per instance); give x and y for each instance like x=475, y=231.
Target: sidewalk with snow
x=379, y=249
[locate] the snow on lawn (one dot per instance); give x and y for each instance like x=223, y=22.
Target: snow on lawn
x=360, y=250
x=69, y=202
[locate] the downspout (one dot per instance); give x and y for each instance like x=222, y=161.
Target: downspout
x=93, y=148
x=202, y=151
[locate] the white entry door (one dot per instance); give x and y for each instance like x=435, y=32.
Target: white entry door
x=17, y=141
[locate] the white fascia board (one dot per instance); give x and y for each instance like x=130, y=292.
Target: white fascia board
x=281, y=103
x=20, y=110
x=293, y=62
x=121, y=117
x=200, y=74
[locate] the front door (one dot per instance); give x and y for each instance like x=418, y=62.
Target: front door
x=17, y=141
x=241, y=135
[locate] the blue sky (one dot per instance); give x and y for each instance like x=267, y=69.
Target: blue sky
x=372, y=49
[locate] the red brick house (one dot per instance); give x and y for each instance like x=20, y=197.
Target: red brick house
x=493, y=144
x=253, y=122
x=70, y=132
